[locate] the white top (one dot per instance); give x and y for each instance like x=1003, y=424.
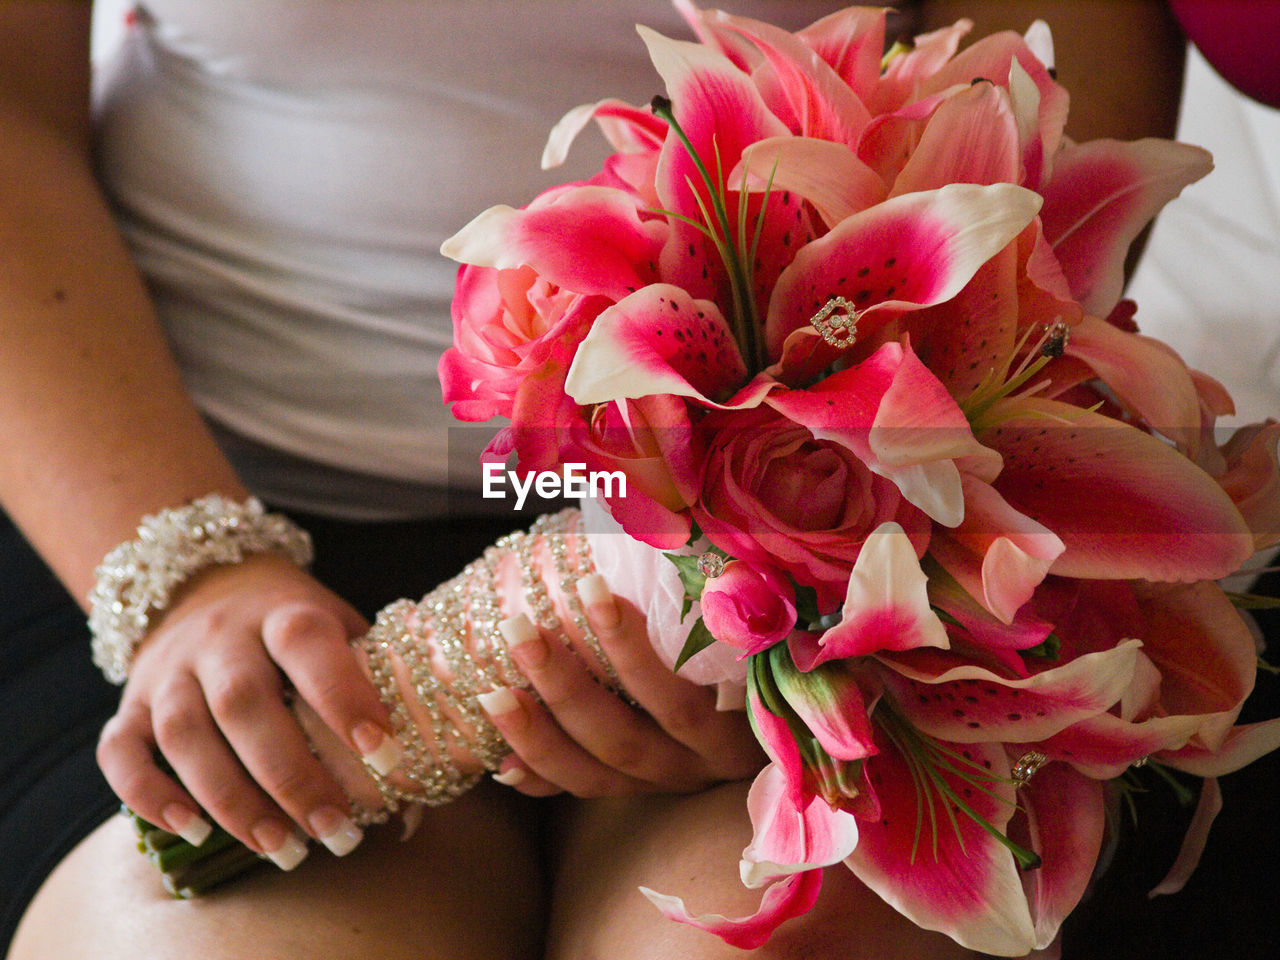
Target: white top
x=1209, y=280
x=286, y=170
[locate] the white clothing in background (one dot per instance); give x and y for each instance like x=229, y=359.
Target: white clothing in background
x=1209, y=281
x=286, y=171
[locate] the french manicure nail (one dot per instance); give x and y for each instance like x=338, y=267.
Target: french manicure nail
x=511, y=776
x=279, y=845
x=191, y=827
x=498, y=702
x=335, y=830
x=378, y=750
x=524, y=641
x=596, y=596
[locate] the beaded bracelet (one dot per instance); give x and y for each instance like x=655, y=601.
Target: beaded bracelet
x=137, y=579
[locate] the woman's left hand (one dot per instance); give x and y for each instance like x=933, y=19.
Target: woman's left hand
x=585, y=739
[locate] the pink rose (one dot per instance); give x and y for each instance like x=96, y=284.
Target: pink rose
x=774, y=495
x=507, y=324
x=748, y=607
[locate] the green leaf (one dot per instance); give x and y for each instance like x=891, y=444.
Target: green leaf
x=699, y=639
x=1253, y=601
x=692, y=578
x=1048, y=649
x=807, y=604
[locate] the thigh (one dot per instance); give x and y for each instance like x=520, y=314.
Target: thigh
x=467, y=886
x=689, y=846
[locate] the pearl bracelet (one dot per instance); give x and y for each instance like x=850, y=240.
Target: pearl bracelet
x=137, y=579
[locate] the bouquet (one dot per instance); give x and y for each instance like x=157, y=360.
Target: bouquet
x=848, y=323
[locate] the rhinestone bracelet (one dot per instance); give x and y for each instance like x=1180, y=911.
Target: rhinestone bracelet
x=137, y=579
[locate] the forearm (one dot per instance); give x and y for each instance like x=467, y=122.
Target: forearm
x=94, y=423
x=1122, y=60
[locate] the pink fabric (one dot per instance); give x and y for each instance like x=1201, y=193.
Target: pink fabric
x=1240, y=38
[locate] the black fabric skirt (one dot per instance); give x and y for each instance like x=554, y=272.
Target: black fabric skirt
x=53, y=701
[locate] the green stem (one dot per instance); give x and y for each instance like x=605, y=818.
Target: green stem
x=744, y=321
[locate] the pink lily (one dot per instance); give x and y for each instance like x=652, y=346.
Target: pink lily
x=1065, y=822
x=942, y=870
x=886, y=606
x=792, y=896
x=628, y=129
x=551, y=234
x=852, y=42
x=996, y=553
x=1145, y=374
x=971, y=138
x=908, y=71
x=906, y=253
x=1008, y=59
x=1124, y=504
x=660, y=340
x=900, y=421
x=1102, y=193
x=801, y=89
x=1252, y=479
x=952, y=699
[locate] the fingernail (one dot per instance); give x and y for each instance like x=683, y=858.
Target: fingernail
x=191, y=827
x=597, y=598
x=511, y=776
x=498, y=702
x=335, y=830
x=524, y=641
x=377, y=749
x=282, y=847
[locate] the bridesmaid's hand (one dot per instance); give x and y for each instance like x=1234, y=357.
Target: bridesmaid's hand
x=585, y=739
x=208, y=692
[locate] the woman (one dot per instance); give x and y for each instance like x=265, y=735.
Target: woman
x=266, y=164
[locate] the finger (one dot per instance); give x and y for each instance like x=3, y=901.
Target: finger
x=311, y=645
x=620, y=737
x=126, y=756
x=547, y=752
x=247, y=703
x=684, y=710
x=192, y=745
x=516, y=774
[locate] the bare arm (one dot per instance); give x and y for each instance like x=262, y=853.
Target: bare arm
x=97, y=431
x=93, y=419
x=1121, y=60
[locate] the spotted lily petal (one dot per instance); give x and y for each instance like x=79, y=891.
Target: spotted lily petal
x=948, y=698
x=587, y=239
x=959, y=879
x=1101, y=195
x=660, y=340
x=908, y=252
x=1124, y=504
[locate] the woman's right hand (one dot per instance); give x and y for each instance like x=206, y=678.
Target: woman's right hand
x=209, y=691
